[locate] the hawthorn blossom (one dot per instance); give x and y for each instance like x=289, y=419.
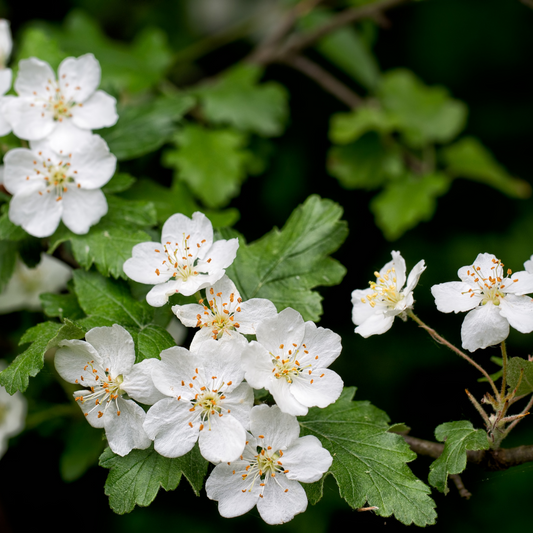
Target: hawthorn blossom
x=104, y=362
x=26, y=284
x=223, y=315
x=50, y=185
x=269, y=471
x=374, y=309
x=6, y=74
x=12, y=414
x=186, y=260
x=494, y=297
x=290, y=360
x=208, y=402
x=66, y=109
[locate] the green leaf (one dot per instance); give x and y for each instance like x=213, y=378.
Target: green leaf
x=405, y=203
x=61, y=306
x=514, y=368
x=150, y=341
x=29, y=363
x=36, y=41
x=120, y=182
x=283, y=266
x=8, y=259
x=345, y=49
x=424, y=114
x=211, y=162
x=458, y=437
x=468, y=158
x=237, y=99
x=365, y=163
x=348, y=127
x=110, y=300
x=144, y=127
x=369, y=464
x=177, y=199
x=8, y=230
x=136, y=478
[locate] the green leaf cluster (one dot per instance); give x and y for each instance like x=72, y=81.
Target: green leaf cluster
x=369, y=463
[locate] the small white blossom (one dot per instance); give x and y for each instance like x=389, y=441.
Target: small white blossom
x=12, y=414
x=495, y=299
x=50, y=185
x=208, y=402
x=528, y=265
x=186, y=260
x=290, y=360
x=66, y=109
x=374, y=309
x=6, y=75
x=26, y=284
x=105, y=364
x=268, y=472
x=223, y=315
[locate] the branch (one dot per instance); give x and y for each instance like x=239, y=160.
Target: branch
x=325, y=80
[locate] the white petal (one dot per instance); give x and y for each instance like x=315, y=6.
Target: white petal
x=222, y=254
x=279, y=429
x=278, y=506
x=484, y=326
x=520, y=283
x=6, y=42
x=286, y=328
x=38, y=214
x=223, y=441
x=176, y=364
x=375, y=325
x=99, y=111
x=252, y=313
x=89, y=409
x=71, y=360
x=178, y=226
x=240, y=403
x=167, y=424
x=146, y=264
x=325, y=389
x=159, y=294
x=454, y=296
x=29, y=120
x=361, y=311
x=528, y=265
x=322, y=342
x=306, y=460
x=6, y=76
x=125, y=432
x=139, y=384
x=414, y=276
x=231, y=490
x=257, y=363
x=188, y=314
x=518, y=310
x=67, y=137
x=34, y=76
x=19, y=164
x=83, y=208
x=79, y=77
x=115, y=347
x=399, y=268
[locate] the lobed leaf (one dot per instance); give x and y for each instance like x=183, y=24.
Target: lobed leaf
x=369, y=463
x=284, y=265
x=458, y=437
x=30, y=362
x=514, y=369
x=136, y=478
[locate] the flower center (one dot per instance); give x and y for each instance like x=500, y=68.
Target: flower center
x=57, y=177
x=490, y=285
x=55, y=102
x=287, y=366
x=384, y=290
x=219, y=316
x=105, y=392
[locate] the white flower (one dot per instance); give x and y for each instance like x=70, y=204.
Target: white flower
x=290, y=359
x=528, y=265
x=268, y=473
x=25, y=285
x=223, y=315
x=495, y=301
x=5, y=73
x=374, y=309
x=67, y=108
x=50, y=185
x=208, y=402
x=12, y=414
x=186, y=261
x=105, y=363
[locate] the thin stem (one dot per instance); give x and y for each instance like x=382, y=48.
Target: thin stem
x=442, y=340
x=480, y=409
x=524, y=412
x=504, y=367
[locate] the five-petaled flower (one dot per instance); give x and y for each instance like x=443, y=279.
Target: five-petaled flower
x=208, y=401
x=374, y=309
x=50, y=185
x=223, y=315
x=290, y=360
x=495, y=298
x=269, y=470
x=186, y=260
x=66, y=109
x=105, y=363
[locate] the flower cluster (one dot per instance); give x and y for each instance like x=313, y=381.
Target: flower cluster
x=59, y=177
